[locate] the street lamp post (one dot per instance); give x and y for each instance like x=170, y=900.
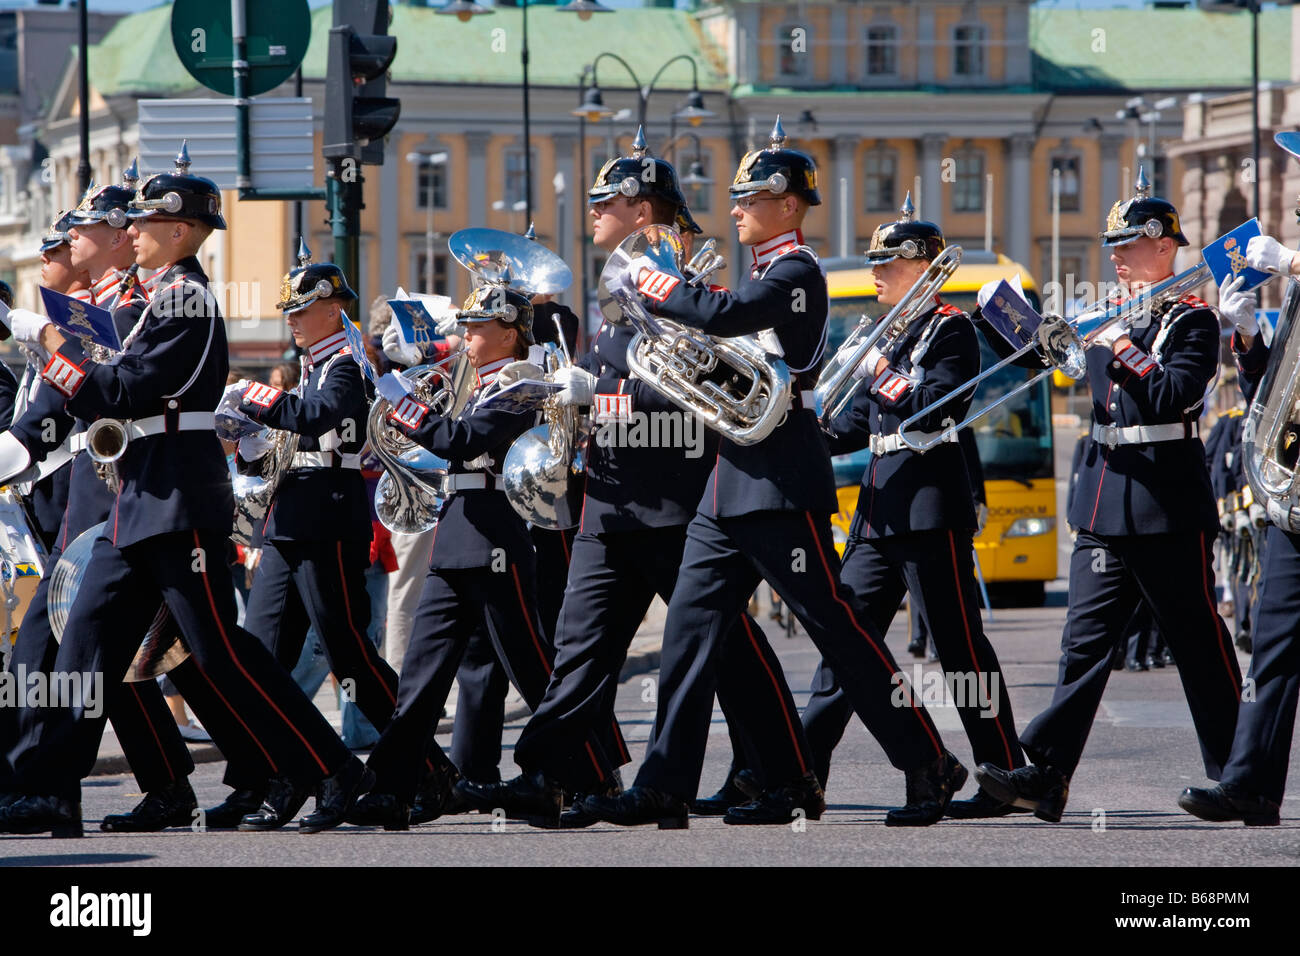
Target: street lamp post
x=419, y=161
x=594, y=109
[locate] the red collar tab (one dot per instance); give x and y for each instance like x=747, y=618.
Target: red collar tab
x=765, y=252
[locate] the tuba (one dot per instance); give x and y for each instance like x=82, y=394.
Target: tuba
x=409, y=493
x=543, y=470
x=732, y=384
x=1270, y=437
x=160, y=650
x=836, y=385
x=253, y=493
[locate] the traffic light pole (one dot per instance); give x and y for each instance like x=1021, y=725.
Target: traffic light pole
x=343, y=199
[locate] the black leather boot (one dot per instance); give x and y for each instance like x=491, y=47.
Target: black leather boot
x=729, y=795
x=1042, y=789
x=783, y=804
x=1225, y=802
x=172, y=806
x=381, y=810
x=337, y=795
x=980, y=806
x=280, y=805
x=637, y=806
x=60, y=818
x=526, y=797
x=929, y=792
x=228, y=814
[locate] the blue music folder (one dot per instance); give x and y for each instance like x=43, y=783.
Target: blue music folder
x=81, y=319
x=1226, y=256
x=415, y=316
x=1013, y=318
x=358, y=343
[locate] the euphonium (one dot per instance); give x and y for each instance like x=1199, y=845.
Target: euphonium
x=1270, y=437
x=408, y=495
x=253, y=493
x=732, y=384
x=836, y=385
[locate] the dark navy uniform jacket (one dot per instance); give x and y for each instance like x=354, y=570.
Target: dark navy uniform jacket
x=904, y=491
x=8, y=394
x=790, y=470
x=177, y=480
x=631, y=485
x=472, y=524
x=328, y=411
x=1223, y=454
x=88, y=499
x=1157, y=487
x=1251, y=363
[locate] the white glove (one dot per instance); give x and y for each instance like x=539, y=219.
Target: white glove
x=981, y=516
x=253, y=447
x=397, y=348
x=1110, y=335
x=867, y=367
x=27, y=326
x=447, y=323
x=518, y=372
x=1268, y=255
x=14, y=457
x=637, y=266
x=579, y=386
x=1238, y=307
x=393, y=386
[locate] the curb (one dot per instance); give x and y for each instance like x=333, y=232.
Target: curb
x=638, y=662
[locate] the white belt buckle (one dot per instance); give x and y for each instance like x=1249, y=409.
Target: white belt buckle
x=1110, y=435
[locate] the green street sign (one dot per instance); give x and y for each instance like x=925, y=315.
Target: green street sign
x=278, y=32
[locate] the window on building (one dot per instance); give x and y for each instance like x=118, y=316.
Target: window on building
x=882, y=51
x=968, y=184
x=968, y=50
x=1070, y=182
x=514, y=184
x=431, y=186
x=419, y=263
x=880, y=189
x=793, y=51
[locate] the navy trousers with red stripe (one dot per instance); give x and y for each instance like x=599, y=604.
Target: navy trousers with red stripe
x=1261, y=749
x=187, y=570
x=318, y=584
x=613, y=578
x=1109, y=574
x=455, y=602
x=938, y=572
x=144, y=725
x=724, y=560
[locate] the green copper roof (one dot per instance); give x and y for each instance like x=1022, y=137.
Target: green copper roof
x=136, y=56
x=1098, y=49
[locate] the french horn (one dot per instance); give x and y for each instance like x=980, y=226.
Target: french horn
x=733, y=385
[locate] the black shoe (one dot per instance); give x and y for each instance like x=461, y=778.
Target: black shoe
x=1243, y=641
x=576, y=816
x=783, y=804
x=728, y=796
x=8, y=798
x=929, y=792
x=916, y=648
x=62, y=818
x=1043, y=790
x=1168, y=658
x=1226, y=802
x=640, y=805
x=337, y=795
x=528, y=796
x=1156, y=661
x=1135, y=665
x=228, y=814
x=172, y=806
x=380, y=810
x=979, y=806
x=438, y=796
x=280, y=805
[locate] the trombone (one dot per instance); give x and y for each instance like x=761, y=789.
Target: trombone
x=1059, y=346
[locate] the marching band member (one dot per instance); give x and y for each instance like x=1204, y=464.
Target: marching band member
x=166, y=536
x=316, y=534
x=1253, y=781
x=912, y=531
x=482, y=569
x=98, y=244
x=1145, y=516
x=765, y=514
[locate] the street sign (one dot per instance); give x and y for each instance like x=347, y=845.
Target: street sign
x=278, y=33
x=281, y=142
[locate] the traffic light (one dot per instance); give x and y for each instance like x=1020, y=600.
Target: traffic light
x=357, y=113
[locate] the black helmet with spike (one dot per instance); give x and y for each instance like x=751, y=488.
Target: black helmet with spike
x=906, y=236
x=179, y=195
x=777, y=169
x=1143, y=215
x=57, y=234
x=639, y=176
x=311, y=281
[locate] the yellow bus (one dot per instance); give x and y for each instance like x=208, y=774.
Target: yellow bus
x=1017, y=548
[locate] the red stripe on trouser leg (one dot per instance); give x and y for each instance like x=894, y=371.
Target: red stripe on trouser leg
x=848, y=611
x=225, y=639
x=1218, y=621
x=361, y=640
x=234, y=713
x=144, y=712
x=970, y=642
x=780, y=698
